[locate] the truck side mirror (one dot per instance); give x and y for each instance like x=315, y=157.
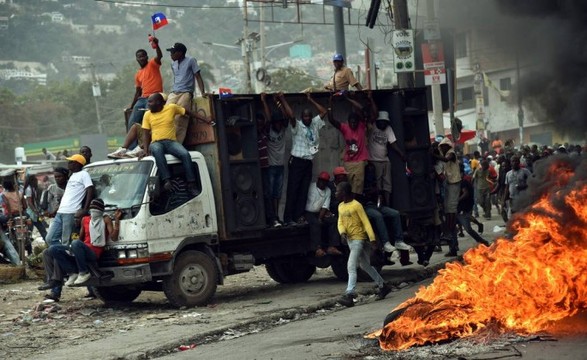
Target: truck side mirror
x=153, y=187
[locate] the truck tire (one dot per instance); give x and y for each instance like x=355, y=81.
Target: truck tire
x=119, y=293
x=193, y=282
x=338, y=267
x=290, y=270
x=274, y=273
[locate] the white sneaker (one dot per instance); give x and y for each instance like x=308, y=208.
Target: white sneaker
x=71, y=280
x=387, y=247
x=276, y=224
x=82, y=278
x=401, y=245
x=134, y=152
x=119, y=153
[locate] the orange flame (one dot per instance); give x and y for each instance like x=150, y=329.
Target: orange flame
x=521, y=285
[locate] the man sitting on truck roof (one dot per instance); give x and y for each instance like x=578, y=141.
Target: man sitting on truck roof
x=159, y=139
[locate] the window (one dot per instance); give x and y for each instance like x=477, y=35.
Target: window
x=505, y=84
x=169, y=200
x=461, y=45
x=121, y=184
x=466, y=98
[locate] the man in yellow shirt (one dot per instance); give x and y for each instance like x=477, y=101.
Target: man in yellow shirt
x=159, y=139
x=343, y=76
x=354, y=226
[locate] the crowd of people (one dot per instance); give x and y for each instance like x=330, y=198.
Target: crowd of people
x=351, y=207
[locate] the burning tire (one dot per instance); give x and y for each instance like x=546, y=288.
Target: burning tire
x=193, y=282
x=120, y=293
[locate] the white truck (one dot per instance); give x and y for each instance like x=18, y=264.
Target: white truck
x=186, y=246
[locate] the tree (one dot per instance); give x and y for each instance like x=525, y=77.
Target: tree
x=292, y=79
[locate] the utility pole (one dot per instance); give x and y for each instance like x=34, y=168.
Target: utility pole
x=339, y=31
x=97, y=93
x=246, y=52
x=435, y=87
x=261, y=84
x=402, y=22
x=520, y=108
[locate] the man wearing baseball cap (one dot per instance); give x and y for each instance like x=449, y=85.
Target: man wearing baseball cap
x=186, y=73
x=79, y=187
x=452, y=192
x=343, y=76
x=317, y=214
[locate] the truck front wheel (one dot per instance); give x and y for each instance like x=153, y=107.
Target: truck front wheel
x=119, y=293
x=193, y=282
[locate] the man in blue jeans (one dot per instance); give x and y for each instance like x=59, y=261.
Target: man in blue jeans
x=159, y=139
x=75, y=203
x=148, y=81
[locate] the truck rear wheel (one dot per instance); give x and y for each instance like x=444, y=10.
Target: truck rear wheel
x=193, y=282
x=119, y=293
x=290, y=270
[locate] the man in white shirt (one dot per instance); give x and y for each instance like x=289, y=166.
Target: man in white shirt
x=79, y=187
x=305, y=144
x=318, y=214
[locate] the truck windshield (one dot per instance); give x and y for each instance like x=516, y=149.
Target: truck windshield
x=121, y=185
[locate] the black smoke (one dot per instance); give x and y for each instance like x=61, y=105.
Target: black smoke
x=550, y=39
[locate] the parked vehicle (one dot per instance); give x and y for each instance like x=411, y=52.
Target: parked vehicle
x=186, y=248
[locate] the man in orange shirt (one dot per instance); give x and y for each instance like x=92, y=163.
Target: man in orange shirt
x=147, y=81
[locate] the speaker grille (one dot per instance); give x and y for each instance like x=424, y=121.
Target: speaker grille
x=243, y=179
x=247, y=210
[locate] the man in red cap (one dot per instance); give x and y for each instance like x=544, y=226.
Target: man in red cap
x=318, y=213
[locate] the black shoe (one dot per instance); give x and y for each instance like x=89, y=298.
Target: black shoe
x=346, y=300
x=480, y=228
x=438, y=249
x=461, y=234
x=52, y=296
x=424, y=263
x=50, y=285
x=451, y=254
x=383, y=291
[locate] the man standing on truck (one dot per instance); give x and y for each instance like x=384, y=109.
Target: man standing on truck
x=159, y=139
x=275, y=140
x=305, y=144
x=355, y=153
x=148, y=81
x=186, y=73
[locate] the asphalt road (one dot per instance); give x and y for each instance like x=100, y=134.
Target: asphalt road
x=340, y=335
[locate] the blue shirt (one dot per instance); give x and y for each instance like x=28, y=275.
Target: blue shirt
x=183, y=75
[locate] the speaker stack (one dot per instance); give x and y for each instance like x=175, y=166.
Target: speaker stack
x=242, y=185
x=413, y=189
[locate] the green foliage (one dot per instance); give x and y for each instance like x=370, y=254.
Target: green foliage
x=292, y=79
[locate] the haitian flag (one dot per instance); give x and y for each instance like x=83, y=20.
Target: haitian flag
x=159, y=20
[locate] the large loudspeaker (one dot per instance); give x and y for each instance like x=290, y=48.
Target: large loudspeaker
x=247, y=194
x=414, y=191
x=242, y=185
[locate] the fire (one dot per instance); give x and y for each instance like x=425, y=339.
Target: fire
x=521, y=285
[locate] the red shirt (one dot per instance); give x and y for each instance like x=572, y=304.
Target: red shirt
x=86, y=224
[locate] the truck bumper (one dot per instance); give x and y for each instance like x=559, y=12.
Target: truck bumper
x=123, y=275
